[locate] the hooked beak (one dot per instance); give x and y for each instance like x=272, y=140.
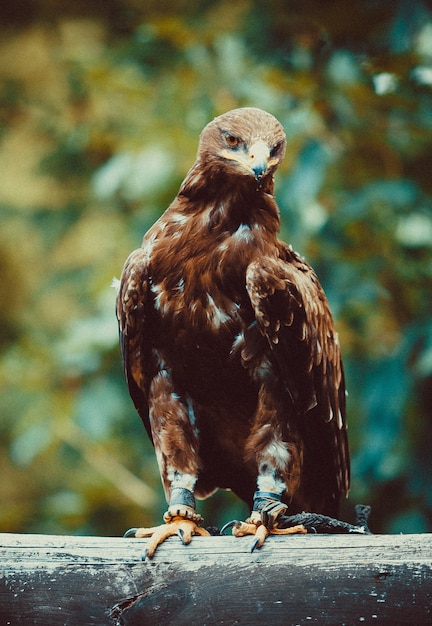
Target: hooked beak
x=258, y=159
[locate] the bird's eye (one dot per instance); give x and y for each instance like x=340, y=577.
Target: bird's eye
x=232, y=140
x=276, y=149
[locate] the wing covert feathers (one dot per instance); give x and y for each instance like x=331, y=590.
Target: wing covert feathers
x=135, y=334
x=293, y=314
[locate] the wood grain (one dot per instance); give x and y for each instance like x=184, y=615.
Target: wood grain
x=309, y=579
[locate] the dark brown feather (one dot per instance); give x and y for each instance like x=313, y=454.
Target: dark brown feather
x=229, y=347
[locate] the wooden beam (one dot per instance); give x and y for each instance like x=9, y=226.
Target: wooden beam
x=299, y=579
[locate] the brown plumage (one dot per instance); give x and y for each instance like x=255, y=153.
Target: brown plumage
x=229, y=347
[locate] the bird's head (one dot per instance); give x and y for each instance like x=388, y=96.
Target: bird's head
x=246, y=142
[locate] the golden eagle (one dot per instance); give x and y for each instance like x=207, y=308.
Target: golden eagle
x=229, y=347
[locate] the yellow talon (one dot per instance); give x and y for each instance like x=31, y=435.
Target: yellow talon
x=178, y=525
x=261, y=532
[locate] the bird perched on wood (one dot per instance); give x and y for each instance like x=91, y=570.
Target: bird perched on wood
x=229, y=347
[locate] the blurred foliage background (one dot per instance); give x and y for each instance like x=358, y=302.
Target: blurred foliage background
x=101, y=104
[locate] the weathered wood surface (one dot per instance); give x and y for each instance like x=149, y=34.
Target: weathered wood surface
x=302, y=579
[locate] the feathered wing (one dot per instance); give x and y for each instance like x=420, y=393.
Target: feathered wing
x=292, y=312
x=134, y=313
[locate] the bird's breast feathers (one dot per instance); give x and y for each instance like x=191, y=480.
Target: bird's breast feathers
x=198, y=275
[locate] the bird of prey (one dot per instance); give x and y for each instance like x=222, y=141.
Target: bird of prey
x=229, y=347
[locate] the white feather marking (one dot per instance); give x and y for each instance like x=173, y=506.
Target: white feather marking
x=191, y=412
x=194, y=306
x=115, y=284
x=156, y=288
x=194, y=180
x=205, y=217
x=243, y=233
x=191, y=416
x=278, y=451
x=159, y=294
x=159, y=360
x=157, y=302
x=163, y=374
x=269, y=482
x=177, y=479
x=238, y=341
x=216, y=315
x=179, y=218
x=274, y=459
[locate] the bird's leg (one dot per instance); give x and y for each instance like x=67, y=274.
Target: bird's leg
x=176, y=443
x=278, y=459
x=180, y=519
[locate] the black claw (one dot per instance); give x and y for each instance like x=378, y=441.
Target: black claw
x=231, y=524
x=362, y=512
x=180, y=534
x=130, y=533
x=254, y=544
x=144, y=555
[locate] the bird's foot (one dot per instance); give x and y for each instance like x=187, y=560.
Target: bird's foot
x=254, y=526
x=180, y=521
x=264, y=520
